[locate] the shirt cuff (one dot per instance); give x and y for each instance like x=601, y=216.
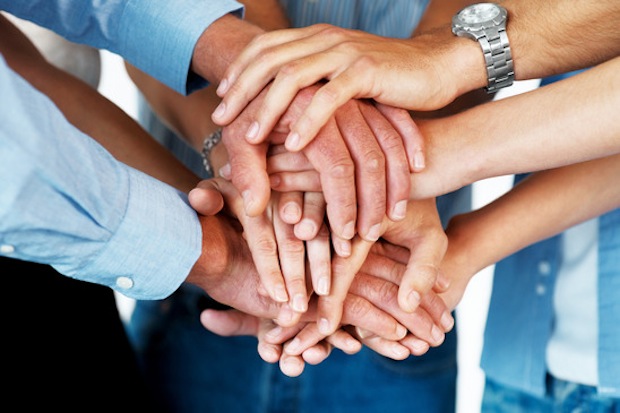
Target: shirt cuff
x=156, y=244
x=159, y=36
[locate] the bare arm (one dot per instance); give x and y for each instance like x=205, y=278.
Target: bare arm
x=563, y=197
x=425, y=72
x=569, y=121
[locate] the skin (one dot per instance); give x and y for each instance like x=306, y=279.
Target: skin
x=527, y=142
x=224, y=38
x=225, y=269
x=424, y=73
x=476, y=240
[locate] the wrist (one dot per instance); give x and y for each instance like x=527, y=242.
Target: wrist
x=220, y=44
x=459, y=60
x=214, y=260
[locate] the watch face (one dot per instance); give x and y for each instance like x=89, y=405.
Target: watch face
x=478, y=13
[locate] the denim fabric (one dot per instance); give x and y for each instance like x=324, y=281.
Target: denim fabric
x=193, y=370
x=560, y=397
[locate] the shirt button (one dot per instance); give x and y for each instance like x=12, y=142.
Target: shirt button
x=541, y=289
x=544, y=267
x=124, y=282
x=7, y=249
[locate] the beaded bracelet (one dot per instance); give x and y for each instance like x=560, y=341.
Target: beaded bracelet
x=209, y=143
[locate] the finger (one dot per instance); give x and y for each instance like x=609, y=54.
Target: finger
x=292, y=366
x=244, y=79
x=397, y=170
x=277, y=61
x=306, y=181
x=290, y=206
x=282, y=160
x=330, y=307
x=292, y=252
x=269, y=352
x=261, y=239
x=330, y=96
x=344, y=341
x=312, y=218
x=317, y=354
x=319, y=261
x=310, y=337
x=206, y=198
x=330, y=156
x=384, y=296
x=247, y=168
x=370, y=166
x=229, y=322
x=287, y=317
x=387, y=348
x=416, y=346
x=410, y=133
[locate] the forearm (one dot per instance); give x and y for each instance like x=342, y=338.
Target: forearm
x=186, y=114
x=559, y=36
x=111, y=127
x=566, y=122
x=546, y=38
x=561, y=197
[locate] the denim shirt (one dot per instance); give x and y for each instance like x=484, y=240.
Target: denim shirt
x=157, y=36
x=520, y=317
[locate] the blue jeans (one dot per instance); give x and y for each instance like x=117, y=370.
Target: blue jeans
x=193, y=370
x=561, y=397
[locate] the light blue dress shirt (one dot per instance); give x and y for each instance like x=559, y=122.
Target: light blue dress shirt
x=157, y=36
x=67, y=202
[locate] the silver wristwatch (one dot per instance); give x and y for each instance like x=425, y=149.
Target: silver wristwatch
x=486, y=23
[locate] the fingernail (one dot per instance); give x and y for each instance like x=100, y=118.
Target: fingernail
x=437, y=334
x=225, y=171
x=342, y=247
x=323, y=285
x=447, y=321
x=222, y=87
x=362, y=333
x=275, y=333
x=419, y=346
x=280, y=294
x=348, y=231
x=293, y=346
x=413, y=300
x=292, y=141
x=374, y=233
x=400, y=210
x=248, y=200
x=400, y=352
x=219, y=110
x=306, y=228
x=291, y=213
x=418, y=161
x=401, y=331
x=299, y=303
x=252, y=132
x=324, y=326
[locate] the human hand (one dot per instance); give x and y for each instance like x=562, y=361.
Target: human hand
x=416, y=74
x=363, y=165
x=294, y=346
x=272, y=245
x=228, y=323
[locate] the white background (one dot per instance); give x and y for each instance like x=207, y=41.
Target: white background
x=472, y=310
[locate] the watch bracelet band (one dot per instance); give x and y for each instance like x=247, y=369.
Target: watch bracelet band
x=498, y=60
x=209, y=143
